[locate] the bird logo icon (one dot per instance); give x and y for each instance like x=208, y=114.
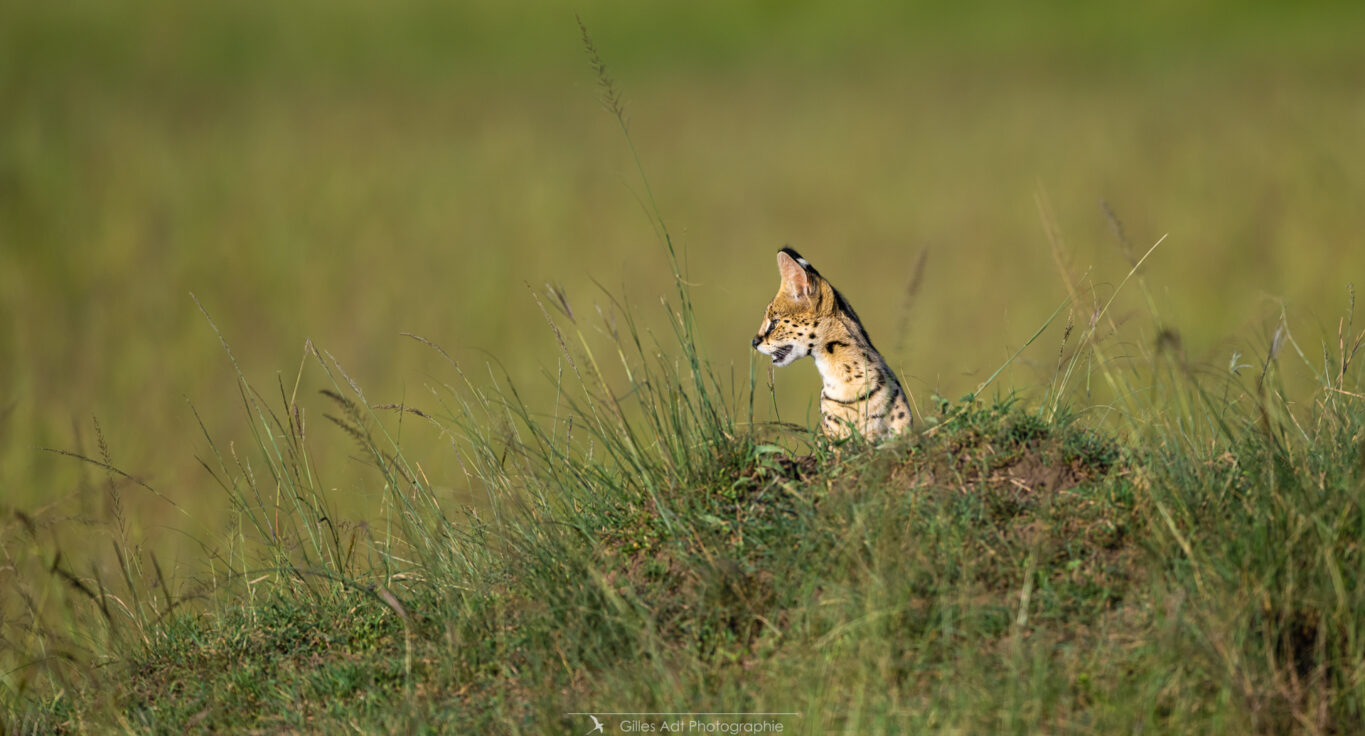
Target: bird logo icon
x=596, y=726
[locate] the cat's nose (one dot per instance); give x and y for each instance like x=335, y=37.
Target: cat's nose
x=756, y=341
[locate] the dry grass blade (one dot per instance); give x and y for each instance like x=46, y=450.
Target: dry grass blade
x=560, y=298
x=76, y=584
x=1120, y=232
x=559, y=336
x=403, y=408
x=1056, y=247
x=110, y=468
x=611, y=95
x=912, y=289
x=440, y=350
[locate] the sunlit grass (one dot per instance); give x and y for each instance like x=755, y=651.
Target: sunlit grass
x=1010, y=567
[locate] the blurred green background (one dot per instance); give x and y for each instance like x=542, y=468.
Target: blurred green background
x=345, y=171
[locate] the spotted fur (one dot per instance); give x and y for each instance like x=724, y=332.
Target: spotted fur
x=810, y=317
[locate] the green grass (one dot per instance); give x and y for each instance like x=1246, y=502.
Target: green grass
x=1117, y=529
x=998, y=572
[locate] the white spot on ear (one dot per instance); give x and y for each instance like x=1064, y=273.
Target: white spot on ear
x=804, y=263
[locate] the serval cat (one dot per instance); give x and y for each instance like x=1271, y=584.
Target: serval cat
x=810, y=317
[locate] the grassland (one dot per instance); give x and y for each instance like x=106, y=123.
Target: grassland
x=1008, y=568
x=1159, y=529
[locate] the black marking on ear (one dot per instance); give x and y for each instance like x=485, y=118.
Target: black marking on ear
x=832, y=344
x=799, y=259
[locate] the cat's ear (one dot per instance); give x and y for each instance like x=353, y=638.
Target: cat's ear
x=797, y=280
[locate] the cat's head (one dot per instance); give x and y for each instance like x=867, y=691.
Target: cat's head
x=792, y=324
